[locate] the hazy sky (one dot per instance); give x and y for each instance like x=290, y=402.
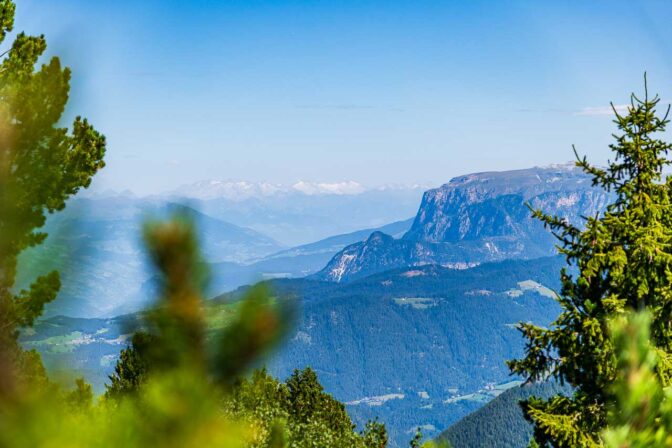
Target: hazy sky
x=377, y=92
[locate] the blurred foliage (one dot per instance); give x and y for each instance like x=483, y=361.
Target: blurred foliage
x=41, y=165
x=624, y=261
x=640, y=409
x=178, y=404
x=416, y=442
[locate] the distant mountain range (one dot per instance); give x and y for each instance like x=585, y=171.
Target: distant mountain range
x=409, y=321
x=96, y=244
x=243, y=190
x=293, y=215
x=297, y=219
x=299, y=261
x=474, y=219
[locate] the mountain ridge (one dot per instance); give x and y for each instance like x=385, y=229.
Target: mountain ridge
x=239, y=190
x=474, y=219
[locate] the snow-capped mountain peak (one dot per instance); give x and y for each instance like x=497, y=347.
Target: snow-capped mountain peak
x=241, y=190
x=340, y=188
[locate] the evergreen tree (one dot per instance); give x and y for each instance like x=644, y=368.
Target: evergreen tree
x=310, y=417
x=622, y=261
x=132, y=367
x=416, y=441
x=308, y=400
x=375, y=435
x=41, y=165
x=81, y=398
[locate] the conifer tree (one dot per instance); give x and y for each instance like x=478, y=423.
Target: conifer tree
x=416, y=441
x=622, y=260
x=132, y=367
x=41, y=165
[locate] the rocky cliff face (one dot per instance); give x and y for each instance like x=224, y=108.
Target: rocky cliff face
x=476, y=218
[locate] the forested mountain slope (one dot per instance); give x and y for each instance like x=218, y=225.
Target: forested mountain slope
x=417, y=347
x=500, y=423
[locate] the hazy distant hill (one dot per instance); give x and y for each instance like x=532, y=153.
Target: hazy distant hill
x=337, y=242
x=298, y=261
x=97, y=247
x=476, y=218
x=95, y=242
x=308, y=213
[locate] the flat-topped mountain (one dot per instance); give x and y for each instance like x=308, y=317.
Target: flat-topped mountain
x=476, y=218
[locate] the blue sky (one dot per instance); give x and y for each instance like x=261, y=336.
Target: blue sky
x=377, y=92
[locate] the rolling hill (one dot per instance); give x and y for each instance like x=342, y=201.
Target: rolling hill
x=97, y=247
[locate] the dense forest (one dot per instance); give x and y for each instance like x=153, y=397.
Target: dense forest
x=500, y=423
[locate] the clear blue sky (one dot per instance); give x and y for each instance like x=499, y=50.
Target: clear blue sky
x=378, y=92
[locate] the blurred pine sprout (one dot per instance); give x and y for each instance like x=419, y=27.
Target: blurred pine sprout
x=175, y=333
x=640, y=409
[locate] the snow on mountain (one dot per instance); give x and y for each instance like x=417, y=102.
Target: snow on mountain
x=232, y=190
x=310, y=188
x=235, y=190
